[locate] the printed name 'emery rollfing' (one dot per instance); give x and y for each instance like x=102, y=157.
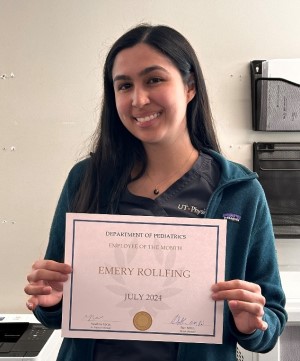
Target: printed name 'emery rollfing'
x=147, y=272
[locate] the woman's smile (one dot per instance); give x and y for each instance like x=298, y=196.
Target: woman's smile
x=147, y=118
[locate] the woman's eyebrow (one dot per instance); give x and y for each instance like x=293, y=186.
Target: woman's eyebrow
x=152, y=68
x=141, y=73
x=121, y=77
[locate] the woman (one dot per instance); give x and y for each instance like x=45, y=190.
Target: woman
x=156, y=150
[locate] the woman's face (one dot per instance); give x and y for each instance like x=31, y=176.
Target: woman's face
x=151, y=97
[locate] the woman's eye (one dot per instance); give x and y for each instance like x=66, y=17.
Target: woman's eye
x=124, y=86
x=155, y=80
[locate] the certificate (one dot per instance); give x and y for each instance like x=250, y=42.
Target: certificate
x=143, y=278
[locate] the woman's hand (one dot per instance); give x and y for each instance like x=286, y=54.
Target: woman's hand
x=245, y=302
x=46, y=283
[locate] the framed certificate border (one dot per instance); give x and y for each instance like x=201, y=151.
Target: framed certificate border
x=137, y=238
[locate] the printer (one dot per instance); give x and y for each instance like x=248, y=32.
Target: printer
x=23, y=337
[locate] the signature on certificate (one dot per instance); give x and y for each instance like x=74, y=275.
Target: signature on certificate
x=184, y=321
x=93, y=317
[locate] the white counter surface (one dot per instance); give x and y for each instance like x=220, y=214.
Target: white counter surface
x=291, y=285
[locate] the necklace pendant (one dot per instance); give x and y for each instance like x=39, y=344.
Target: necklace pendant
x=156, y=191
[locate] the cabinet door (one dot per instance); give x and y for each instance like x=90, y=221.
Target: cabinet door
x=290, y=343
x=244, y=355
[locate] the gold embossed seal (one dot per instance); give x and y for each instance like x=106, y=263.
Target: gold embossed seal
x=142, y=321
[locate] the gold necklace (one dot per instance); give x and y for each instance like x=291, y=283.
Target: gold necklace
x=156, y=188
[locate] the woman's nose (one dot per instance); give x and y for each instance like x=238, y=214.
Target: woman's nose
x=140, y=97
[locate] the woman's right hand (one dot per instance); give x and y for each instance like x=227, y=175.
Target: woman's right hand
x=46, y=283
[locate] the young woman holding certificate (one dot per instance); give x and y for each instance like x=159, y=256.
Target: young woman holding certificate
x=156, y=154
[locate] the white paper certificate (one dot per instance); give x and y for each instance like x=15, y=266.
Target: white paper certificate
x=143, y=278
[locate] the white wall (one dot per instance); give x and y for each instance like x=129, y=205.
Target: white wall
x=55, y=49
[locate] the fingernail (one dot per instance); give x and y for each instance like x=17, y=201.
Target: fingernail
x=214, y=288
x=29, y=306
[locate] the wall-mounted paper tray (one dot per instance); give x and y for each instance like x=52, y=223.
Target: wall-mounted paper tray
x=275, y=102
x=278, y=167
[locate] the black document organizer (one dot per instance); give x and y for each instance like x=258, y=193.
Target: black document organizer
x=275, y=102
x=278, y=167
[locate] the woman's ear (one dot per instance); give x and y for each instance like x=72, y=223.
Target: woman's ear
x=191, y=88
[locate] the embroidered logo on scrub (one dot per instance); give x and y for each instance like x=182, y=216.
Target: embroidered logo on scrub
x=192, y=209
x=232, y=217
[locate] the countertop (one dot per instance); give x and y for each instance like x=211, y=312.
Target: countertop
x=291, y=285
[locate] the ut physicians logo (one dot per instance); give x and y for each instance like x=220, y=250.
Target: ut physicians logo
x=192, y=209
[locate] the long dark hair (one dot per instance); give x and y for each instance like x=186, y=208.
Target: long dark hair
x=115, y=150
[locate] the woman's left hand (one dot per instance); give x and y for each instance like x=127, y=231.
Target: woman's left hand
x=245, y=302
